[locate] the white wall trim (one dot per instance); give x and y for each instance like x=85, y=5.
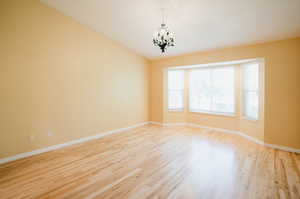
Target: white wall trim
x=235, y=62
x=72, y=142
x=157, y=123
x=168, y=124
x=175, y=124
x=107, y=133
x=284, y=148
x=212, y=128
x=257, y=141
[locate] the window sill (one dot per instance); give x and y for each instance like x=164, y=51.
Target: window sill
x=213, y=113
x=175, y=110
x=250, y=119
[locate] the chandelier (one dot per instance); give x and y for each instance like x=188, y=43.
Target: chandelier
x=163, y=38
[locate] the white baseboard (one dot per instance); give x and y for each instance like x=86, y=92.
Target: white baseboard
x=174, y=124
x=168, y=124
x=284, y=148
x=104, y=134
x=58, y=146
x=156, y=123
x=212, y=128
x=231, y=132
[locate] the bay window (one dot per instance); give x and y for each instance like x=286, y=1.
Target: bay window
x=212, y=89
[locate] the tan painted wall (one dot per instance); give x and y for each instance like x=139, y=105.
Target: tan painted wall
x=57, y=75
x=60, y=76
x=282, y=92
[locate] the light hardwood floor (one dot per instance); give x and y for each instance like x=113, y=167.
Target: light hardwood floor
x=156, y=162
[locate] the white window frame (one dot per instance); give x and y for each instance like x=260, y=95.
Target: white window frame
x=259, y=91
x=215, y=112
x=182, y=90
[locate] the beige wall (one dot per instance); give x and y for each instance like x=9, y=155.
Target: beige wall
x=282, y=92
x=59, y=76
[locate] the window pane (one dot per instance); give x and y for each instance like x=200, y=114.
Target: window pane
x=251, y=77
x=175, y=79
x=200, y=92
x=251, y=90
x=175, y=89
x=251, y=104
x=212, y=89
x=175, y=99
x=223, y=88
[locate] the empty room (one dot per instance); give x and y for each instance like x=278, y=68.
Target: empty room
x=150, y=99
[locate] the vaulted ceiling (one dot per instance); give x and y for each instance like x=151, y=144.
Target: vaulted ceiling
x=197, y=24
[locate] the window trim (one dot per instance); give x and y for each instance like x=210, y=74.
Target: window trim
x=217, y=113
x=212, y=113
x=183, y=92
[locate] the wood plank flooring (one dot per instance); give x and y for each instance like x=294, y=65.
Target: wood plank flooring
x=156, y=162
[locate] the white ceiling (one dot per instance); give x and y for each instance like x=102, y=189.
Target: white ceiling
x=197, y=24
